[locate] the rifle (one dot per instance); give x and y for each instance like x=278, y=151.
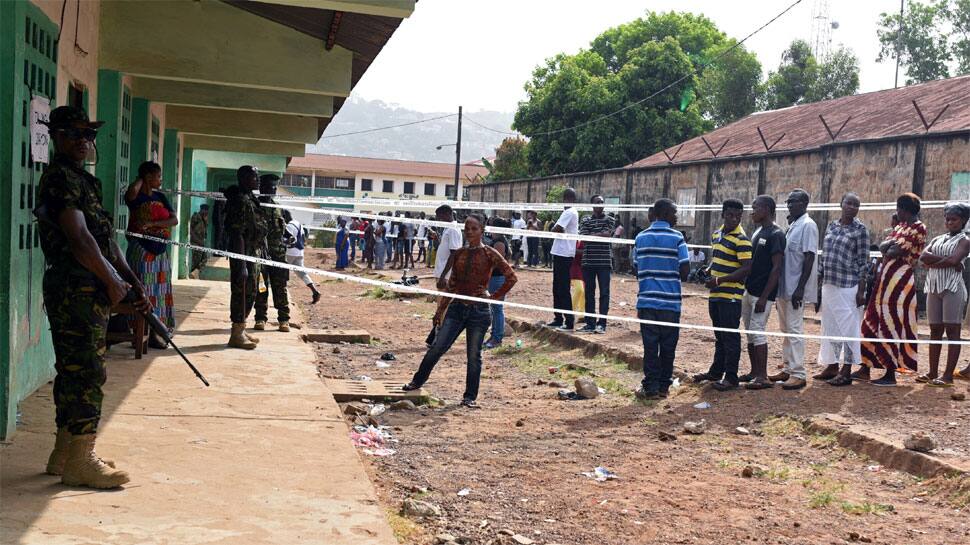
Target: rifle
x=43, y=215
x=159, y=328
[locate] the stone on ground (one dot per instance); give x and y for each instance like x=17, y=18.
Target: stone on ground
x=920, y=442
x=695, y=428
x=418, y=508
x=403, y=405
x=586, y=388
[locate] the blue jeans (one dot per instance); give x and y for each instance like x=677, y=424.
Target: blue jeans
x=474, y=319
x=659, y=346
x=592, y=277
x=498, y=311
x=353, y=247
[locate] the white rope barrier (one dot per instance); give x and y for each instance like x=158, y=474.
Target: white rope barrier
x=628, y=319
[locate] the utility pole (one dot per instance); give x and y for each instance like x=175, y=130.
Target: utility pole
x=458, y=159
x=899, y=39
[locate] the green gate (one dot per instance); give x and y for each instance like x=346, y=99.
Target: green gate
x=28, y=67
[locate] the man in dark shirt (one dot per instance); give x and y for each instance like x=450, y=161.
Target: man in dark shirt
x=597, y=264
x=245, y=234
x=761, y=288
x=273, y=279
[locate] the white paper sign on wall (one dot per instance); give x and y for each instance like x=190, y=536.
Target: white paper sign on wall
x=40, y=110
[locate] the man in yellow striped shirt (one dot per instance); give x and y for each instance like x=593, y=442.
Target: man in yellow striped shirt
x=730, y=265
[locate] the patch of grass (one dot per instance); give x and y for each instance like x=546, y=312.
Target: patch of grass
x=777, y=473
x=614, y=386
x=781, y=426
x=824, y=441
x=405, y=531
x=822, y=498
x=819, y=467
x=866, y=508
x=508, y=350
x=954, y=489
x=649, y=422
x=378, y=292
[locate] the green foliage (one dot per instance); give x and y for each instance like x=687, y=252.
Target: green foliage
x=510, y=162
x=624, y=65
x=324, y=239
x=920, y=38
x=801, y=78
x=554, y=195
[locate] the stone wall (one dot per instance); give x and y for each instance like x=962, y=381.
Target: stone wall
x=877, y=170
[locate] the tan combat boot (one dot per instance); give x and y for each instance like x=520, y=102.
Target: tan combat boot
x=84, y=468
x=260, y=325
x=238, y=339
x=285, y=327
x=252, y=338
x=55, y=464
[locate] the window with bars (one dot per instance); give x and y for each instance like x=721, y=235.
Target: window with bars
x=429, y=189
x=388, y=186
x=366, y=185
x=156, y=134
x=409, y=188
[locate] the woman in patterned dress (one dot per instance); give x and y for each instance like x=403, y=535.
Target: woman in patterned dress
x=891, y=313
x=151, y=214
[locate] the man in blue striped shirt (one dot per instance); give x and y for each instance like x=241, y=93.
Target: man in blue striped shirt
x=662, y=264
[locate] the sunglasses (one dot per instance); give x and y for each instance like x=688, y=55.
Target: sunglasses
x=79, y=134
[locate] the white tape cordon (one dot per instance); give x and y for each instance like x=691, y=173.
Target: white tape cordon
x=414, y=289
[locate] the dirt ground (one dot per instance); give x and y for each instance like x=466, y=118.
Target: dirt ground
x=523, y=454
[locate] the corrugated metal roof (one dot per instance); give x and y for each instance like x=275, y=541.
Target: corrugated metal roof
x=353, y=165
x=867, y=116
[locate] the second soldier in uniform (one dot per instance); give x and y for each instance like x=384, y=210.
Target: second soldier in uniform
x=244, y=234
x=273, y=278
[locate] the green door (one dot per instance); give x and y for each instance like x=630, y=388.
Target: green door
x=28, y=67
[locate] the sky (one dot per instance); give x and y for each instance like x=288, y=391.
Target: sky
x=479, y=54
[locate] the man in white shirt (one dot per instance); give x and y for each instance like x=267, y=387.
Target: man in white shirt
x=797, y=285
x=295, y=242
x=450, y=239
x=563, y=252
x=517, y=223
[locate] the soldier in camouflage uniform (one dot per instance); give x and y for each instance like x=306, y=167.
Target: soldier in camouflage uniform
x=86, y=274
x=273, y=279
x=245, y=234
x=199, y=226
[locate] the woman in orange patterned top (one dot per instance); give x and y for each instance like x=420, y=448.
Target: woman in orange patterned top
x=471, y=268
x=891, y=313
x=149, y=213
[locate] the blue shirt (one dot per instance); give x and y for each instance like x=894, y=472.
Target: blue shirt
x=660, y=250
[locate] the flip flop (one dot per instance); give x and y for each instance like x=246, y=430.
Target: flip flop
x=960, y=375
x=923, y=379
x=938, y=383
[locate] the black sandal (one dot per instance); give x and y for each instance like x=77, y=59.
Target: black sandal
x=840, y=380
x=409, y=387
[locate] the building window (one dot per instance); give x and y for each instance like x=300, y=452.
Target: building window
x=366, y=185
x=450, y=191
x=388, y=186
x=429, y=190
x=343, y=183
x=296, y=180
x=408, y=188
x=156, y=136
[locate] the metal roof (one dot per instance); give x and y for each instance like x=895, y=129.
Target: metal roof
x=342, y=164
x=942, y=106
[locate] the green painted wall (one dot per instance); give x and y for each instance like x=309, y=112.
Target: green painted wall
x=140, y=133
x=28, y=63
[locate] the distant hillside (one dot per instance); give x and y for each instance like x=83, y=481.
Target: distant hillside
x=414, y=142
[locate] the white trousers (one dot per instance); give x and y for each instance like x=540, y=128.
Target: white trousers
x=792, y=320
x=298, y=261
x=753, y=321
x=840, y=318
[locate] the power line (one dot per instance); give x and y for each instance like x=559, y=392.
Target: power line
x=388, y=127
x=692, y=73
x=487, y=128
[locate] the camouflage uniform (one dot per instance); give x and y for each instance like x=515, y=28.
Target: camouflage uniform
x=197, y=234
x=273, y=278
x=241, y=217
x=77, y=303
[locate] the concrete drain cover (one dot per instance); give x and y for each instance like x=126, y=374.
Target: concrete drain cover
x=355, y=390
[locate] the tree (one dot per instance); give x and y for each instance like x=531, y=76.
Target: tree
x=610, y=81
x=511, y=162
x=837, y=77
x=801, y=78
x=960, y=19
x=795, y=76
x=918, y=39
